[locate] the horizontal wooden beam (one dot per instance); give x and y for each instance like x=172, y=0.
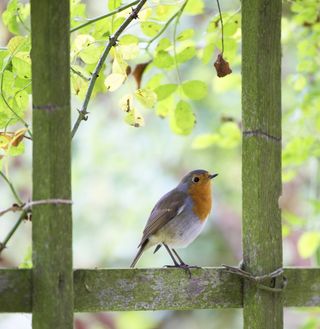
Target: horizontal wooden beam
x=156, y=289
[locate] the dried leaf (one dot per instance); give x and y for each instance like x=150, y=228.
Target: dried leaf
x=8, y=139
x=222, y=66
x=138, y=72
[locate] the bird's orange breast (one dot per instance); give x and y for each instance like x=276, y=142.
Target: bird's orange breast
x=202, y=200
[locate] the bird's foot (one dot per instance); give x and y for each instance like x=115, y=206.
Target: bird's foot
x=183, y=266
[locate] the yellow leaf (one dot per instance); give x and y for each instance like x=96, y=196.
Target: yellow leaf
x=114, y=81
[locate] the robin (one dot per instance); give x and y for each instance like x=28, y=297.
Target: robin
x=179, y=216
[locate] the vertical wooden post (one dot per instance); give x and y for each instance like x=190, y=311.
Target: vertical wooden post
x=261, y=159
x=52, y=223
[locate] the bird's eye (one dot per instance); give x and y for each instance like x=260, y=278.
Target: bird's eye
x=195, y=179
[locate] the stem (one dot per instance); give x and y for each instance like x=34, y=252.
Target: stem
x=4, y=243
x=93, y=20
x=179, y=13
x=20, y=203
x=74, y=71
x=165, y=26
x=222, y=34
x=112, y=42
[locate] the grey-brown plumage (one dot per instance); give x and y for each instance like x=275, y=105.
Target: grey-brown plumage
x=176, y=220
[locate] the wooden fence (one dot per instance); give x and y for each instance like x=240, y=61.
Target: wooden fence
x=53, y=291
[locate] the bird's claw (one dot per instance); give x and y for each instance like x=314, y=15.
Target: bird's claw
x=183, y=266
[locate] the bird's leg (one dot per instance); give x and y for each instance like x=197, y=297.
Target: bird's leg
x=182, y=263
x=176, y=264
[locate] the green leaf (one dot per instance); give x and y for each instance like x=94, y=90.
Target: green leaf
x=78, y=12
x=85, y=47
x=114, y=81
x=128, y=39
x=146, y=97
x=16, y=150
x=182, y=119
x=114, y=4
x=204, y=141
x=186, y=54
x=163, y=59
x=297, y=150
x=4, y=58
x=155, y=81
x=150, y=29
x=195, y=89
x=293, y=219
x=91, y=54
x=117, y=23
x=79, y=86
x=130, y=51
x=134, y=119
x=21, y=64
x=194, y=7
x=164, y=12
x=185, y=35
x=19, y=43
x=207, y=53
x=10, y=17
x=163, y=44
x=163, y=108
x=308, y=244
x=165, y=91
x=228, y=137
x=288, y=175
x=231, y=25
x=119, y=65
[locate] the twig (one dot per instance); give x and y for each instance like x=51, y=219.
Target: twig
x=3, y=244
x=20, y=203
x=174, y=37
x=13, y=208
x=260, y=278
x=74, y=71
x=165, y=26
x=93, y=20
x=26, y=210
x=222, y=34
x=112, y=42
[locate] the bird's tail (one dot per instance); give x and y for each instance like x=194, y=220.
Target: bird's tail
x=139, y=253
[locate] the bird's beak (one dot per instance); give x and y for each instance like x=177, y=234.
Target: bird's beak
x=212, y=176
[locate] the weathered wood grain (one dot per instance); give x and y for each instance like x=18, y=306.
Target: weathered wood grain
x=261, y=157
x=51, y=223
x=156, y=289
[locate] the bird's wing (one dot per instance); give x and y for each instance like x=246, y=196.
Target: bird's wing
x=169, y=206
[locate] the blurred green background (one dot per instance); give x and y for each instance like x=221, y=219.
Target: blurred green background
x=119, y=172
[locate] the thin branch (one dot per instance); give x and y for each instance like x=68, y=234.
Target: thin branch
x=13, y=208
x=74, y=71
x=26, y=212
x=28, y=206
x=112, y=42
x=222, y=33
x=179, y=13
x=4, y=243
x=93, y=20
x=20, y=203
x=165, y=26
